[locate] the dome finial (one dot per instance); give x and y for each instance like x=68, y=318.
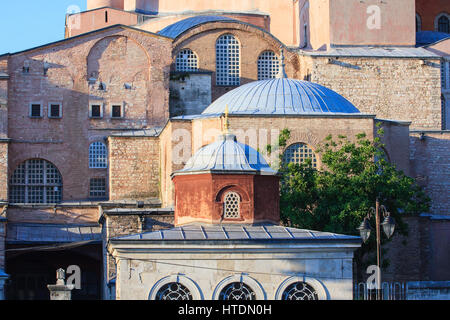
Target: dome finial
x=282, y=73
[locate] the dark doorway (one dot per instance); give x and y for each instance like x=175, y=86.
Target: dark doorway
x=31, y=271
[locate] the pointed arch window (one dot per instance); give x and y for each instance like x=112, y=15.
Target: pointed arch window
x=35, y=181
x=268, y=65
x=98, y=155
x=227, y=61
x=186, y=61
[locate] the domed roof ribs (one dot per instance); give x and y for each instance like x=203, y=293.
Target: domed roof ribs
x=317, y=94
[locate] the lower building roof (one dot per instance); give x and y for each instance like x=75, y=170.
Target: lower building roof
x=237, y=232
x=20, y=233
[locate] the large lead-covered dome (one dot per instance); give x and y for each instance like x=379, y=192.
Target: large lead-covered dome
x=282, y=96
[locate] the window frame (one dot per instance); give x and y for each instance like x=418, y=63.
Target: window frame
x=266, y=63
x=122, y=110
x=228, y=82
x=49, y=110
x=438, y=17
x=41, y=108
x=315, y=159
x=105, y=185
x=28, y=186
x=95, y=155
x=91, y=104
x=187, y=62
x=239, y=199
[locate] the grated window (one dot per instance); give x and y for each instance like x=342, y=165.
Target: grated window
x=36, y=181
x=227, y=61
x=231, y=206
x=173, y=291
x=97, y=188
x=98, y=155
x=268, y=65
x=298, y=153
x=299, y=291
x=237, y=291
x=186, y=61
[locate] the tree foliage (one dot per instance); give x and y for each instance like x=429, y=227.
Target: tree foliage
x=337, y=197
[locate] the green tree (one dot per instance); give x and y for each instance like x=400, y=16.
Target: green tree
x=337, y=197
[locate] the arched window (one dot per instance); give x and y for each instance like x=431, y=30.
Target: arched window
x=173, y=291
x=268, y=65
x=237, y=291
x=98, y=155
x=299, y=291
x=298, y=153
x=35, y=181
x=231, y=206
x=442, y=23
x=418, y=23
x=227, y=61
x=187, y=61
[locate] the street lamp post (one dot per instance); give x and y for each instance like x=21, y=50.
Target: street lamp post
x=388, y=228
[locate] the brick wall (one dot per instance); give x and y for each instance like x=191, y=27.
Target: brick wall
x=202, y=40
x=396, y=89
x=430, y=165
x=119, y=56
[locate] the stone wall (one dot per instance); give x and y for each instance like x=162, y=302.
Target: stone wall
x=134, y=168
x=430, y=165
x=328, y=271
x=190, y=93
x=394, y=89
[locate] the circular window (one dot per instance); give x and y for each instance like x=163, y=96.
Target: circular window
x=299, y=291
x=237, y=291
x=173, y=291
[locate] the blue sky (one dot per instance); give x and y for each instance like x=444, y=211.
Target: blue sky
x=26, y=24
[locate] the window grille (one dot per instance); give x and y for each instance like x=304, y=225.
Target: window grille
x=237, y=291
x=186, y=61
x=97, y=188
x=173, y=291
x=298, y=153
x=299, y=291
x=231, y=206
x=98, y=155
x=227, y=61
x=36, y=110
x=36, y=181
x=55, y=110
x=268, y=65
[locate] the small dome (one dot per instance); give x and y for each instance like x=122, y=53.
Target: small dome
x=227, y=155
x=282, y=96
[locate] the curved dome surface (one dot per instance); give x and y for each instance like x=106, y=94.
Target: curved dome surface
x=226, y=154
x=177, y=28
x=282, y=96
